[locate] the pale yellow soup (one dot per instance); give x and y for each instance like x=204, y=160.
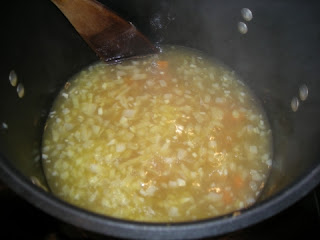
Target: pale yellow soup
x=165, y=138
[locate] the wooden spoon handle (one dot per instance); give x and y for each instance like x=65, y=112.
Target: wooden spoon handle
x=109, y=35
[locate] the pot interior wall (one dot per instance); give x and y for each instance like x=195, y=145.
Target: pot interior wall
x=277, y=55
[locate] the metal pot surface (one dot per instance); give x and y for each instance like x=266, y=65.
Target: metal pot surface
x=275, y=53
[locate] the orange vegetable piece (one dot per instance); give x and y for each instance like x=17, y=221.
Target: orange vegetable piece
x=238, y=181
x=227, y=198
x=162, y=64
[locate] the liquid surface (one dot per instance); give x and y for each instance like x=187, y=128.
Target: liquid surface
x=172, y=137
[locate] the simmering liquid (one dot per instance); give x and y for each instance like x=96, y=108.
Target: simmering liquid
x=171, y=137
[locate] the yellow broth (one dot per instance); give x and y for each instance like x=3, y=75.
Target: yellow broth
x=166, y=138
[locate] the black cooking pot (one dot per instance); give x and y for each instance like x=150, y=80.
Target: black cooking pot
x=278, y=54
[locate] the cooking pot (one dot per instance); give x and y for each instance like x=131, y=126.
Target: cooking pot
x=276, y=54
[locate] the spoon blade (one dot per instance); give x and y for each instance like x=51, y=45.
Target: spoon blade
x=108, y=35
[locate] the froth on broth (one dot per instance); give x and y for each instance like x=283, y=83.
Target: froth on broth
x=166, y=138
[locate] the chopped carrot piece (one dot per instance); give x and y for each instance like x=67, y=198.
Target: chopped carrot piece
x=237, y=181
x=227, y=198
x=162, y=64
x=128, y=80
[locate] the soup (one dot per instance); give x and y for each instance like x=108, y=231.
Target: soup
x=166, y=138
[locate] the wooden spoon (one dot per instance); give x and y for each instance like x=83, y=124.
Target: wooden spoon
x=110, y=36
